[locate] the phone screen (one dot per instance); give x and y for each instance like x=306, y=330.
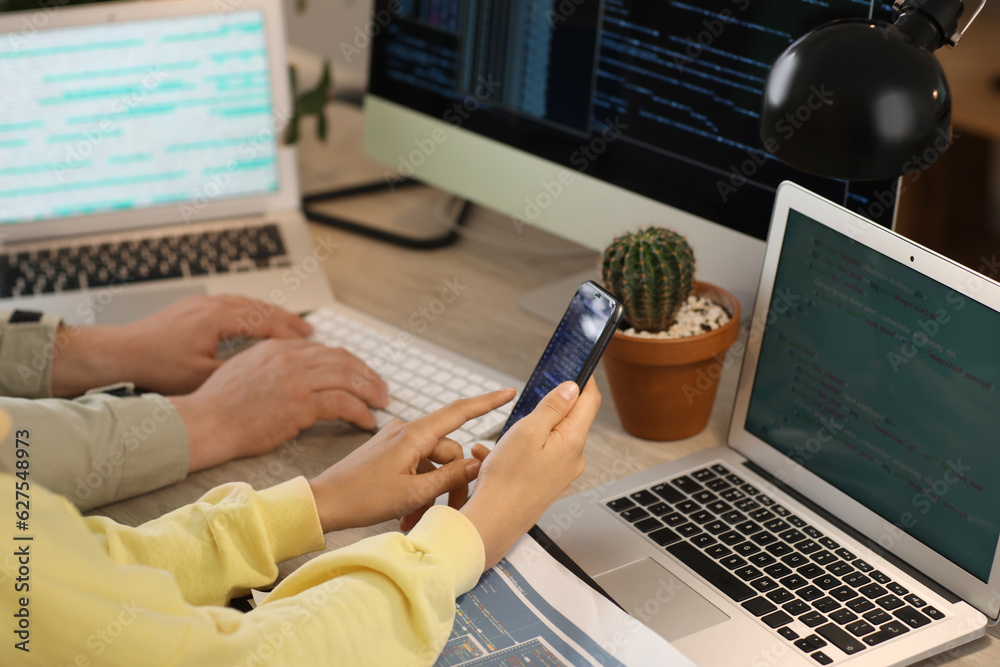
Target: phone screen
x=574, y=349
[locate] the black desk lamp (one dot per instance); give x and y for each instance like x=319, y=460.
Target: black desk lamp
x=864, y=100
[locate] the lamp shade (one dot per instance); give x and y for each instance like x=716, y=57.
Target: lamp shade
x=856, y=100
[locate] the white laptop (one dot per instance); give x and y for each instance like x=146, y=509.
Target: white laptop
x=853, y=517
x=142, y=160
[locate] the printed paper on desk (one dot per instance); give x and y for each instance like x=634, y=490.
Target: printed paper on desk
x=529, y=609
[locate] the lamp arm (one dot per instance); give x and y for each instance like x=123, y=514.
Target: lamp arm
x=958, y=35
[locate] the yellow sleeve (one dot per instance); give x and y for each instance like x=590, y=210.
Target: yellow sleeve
x=388, y=600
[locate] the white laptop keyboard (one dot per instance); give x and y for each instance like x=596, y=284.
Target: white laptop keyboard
x=422, y=377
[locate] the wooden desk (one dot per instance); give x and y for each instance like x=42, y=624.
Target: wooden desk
x=497, y=263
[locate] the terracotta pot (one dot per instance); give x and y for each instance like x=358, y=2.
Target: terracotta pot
x=664, y=389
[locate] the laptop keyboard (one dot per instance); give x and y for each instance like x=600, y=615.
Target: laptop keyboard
x=80, y=267
x=420, y=380
x=810, y=590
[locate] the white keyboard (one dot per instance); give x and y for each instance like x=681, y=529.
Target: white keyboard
x=422, y=376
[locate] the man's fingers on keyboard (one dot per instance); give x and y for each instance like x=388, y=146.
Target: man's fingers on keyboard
x=453, y=416
x=338, y=404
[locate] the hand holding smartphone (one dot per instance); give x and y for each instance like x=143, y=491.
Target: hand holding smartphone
x=574, y=349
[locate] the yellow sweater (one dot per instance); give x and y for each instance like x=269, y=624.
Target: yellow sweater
x=92, y=592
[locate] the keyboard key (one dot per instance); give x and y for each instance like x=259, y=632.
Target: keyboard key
x=718, y=485
x=828, y=543
x=765, y=500
x=746, y=549
x=807, y=546
x=826, y=582
x=840, y=638
x=634, y=514
x=716, y=527
x=911, y=617
x=880, y=577
x=764, y=539
x=759, y=606
x=749, y=489
x=748, y=573
x=702, y=516
x=845, y=554
x=747, y=505
x=793, y=581
x=704, y=497
x=747, y=527
x=777, y=548
x=896, y=588
x=792, y=536
x=777, y=525
x=809, y=593
x=862, y=565
x=788, y=633
x=888, y=631
x=877, y=616
x=794, y=560
x=823, y=557
x=648, y=525
x=731, y=537
x=664, y=536
x=719, y=507
x=839, y=568
x=811, y=570
x=674, y=519
x=777, y=619
x=761, y=559
x=796, y=607
x=668, y=493
x=761, y=515
x=734, y=517
x=688, y=529
x=780, y=596
x=856, y=579
x=805, y=645
x=702, y=540
x=764, y=584
x=703, y=475
x=687, y=506
x=812, y=619
x=732, y=495
x=860, y=628
x=732, y=562
x=778, y=570
x=659, y=508
x=719, y=469
x=933, y=613
x=843, y=593
x=843, y=616
x=860, y=604
x=914, y=600
x=734, y=479
x=712, y=572
x=718, y=551
x=889, y=602
x=872, y=591
x=795, y=521
x=812, y=532
x=780, y=510
x=620, y=504
x=687, y=485
x=822, y=658
x=826, y=605
x=642, y=497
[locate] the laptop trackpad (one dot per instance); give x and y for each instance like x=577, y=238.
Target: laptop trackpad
x=130, y=306
x=652, y=594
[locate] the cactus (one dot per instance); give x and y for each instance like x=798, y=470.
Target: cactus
x=651, y=271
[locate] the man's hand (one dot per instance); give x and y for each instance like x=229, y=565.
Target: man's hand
x=531, y=467
x=264, y=396
x=393, y=476
x=172, y=351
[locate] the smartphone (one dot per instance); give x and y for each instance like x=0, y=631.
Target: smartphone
x=574, y=349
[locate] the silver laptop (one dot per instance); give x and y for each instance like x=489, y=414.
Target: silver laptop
x=853, y=517
x=142, y=160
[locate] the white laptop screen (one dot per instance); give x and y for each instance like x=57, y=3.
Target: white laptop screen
x=135, y=114
x=883, y=382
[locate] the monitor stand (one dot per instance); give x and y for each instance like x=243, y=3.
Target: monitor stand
x=549, y=302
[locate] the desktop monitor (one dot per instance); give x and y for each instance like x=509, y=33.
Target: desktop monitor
x=589, y=118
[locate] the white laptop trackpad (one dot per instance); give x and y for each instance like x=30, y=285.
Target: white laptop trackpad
x=130, y=306
x=652, y=594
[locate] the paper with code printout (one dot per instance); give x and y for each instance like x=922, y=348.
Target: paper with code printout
x=529, y=610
